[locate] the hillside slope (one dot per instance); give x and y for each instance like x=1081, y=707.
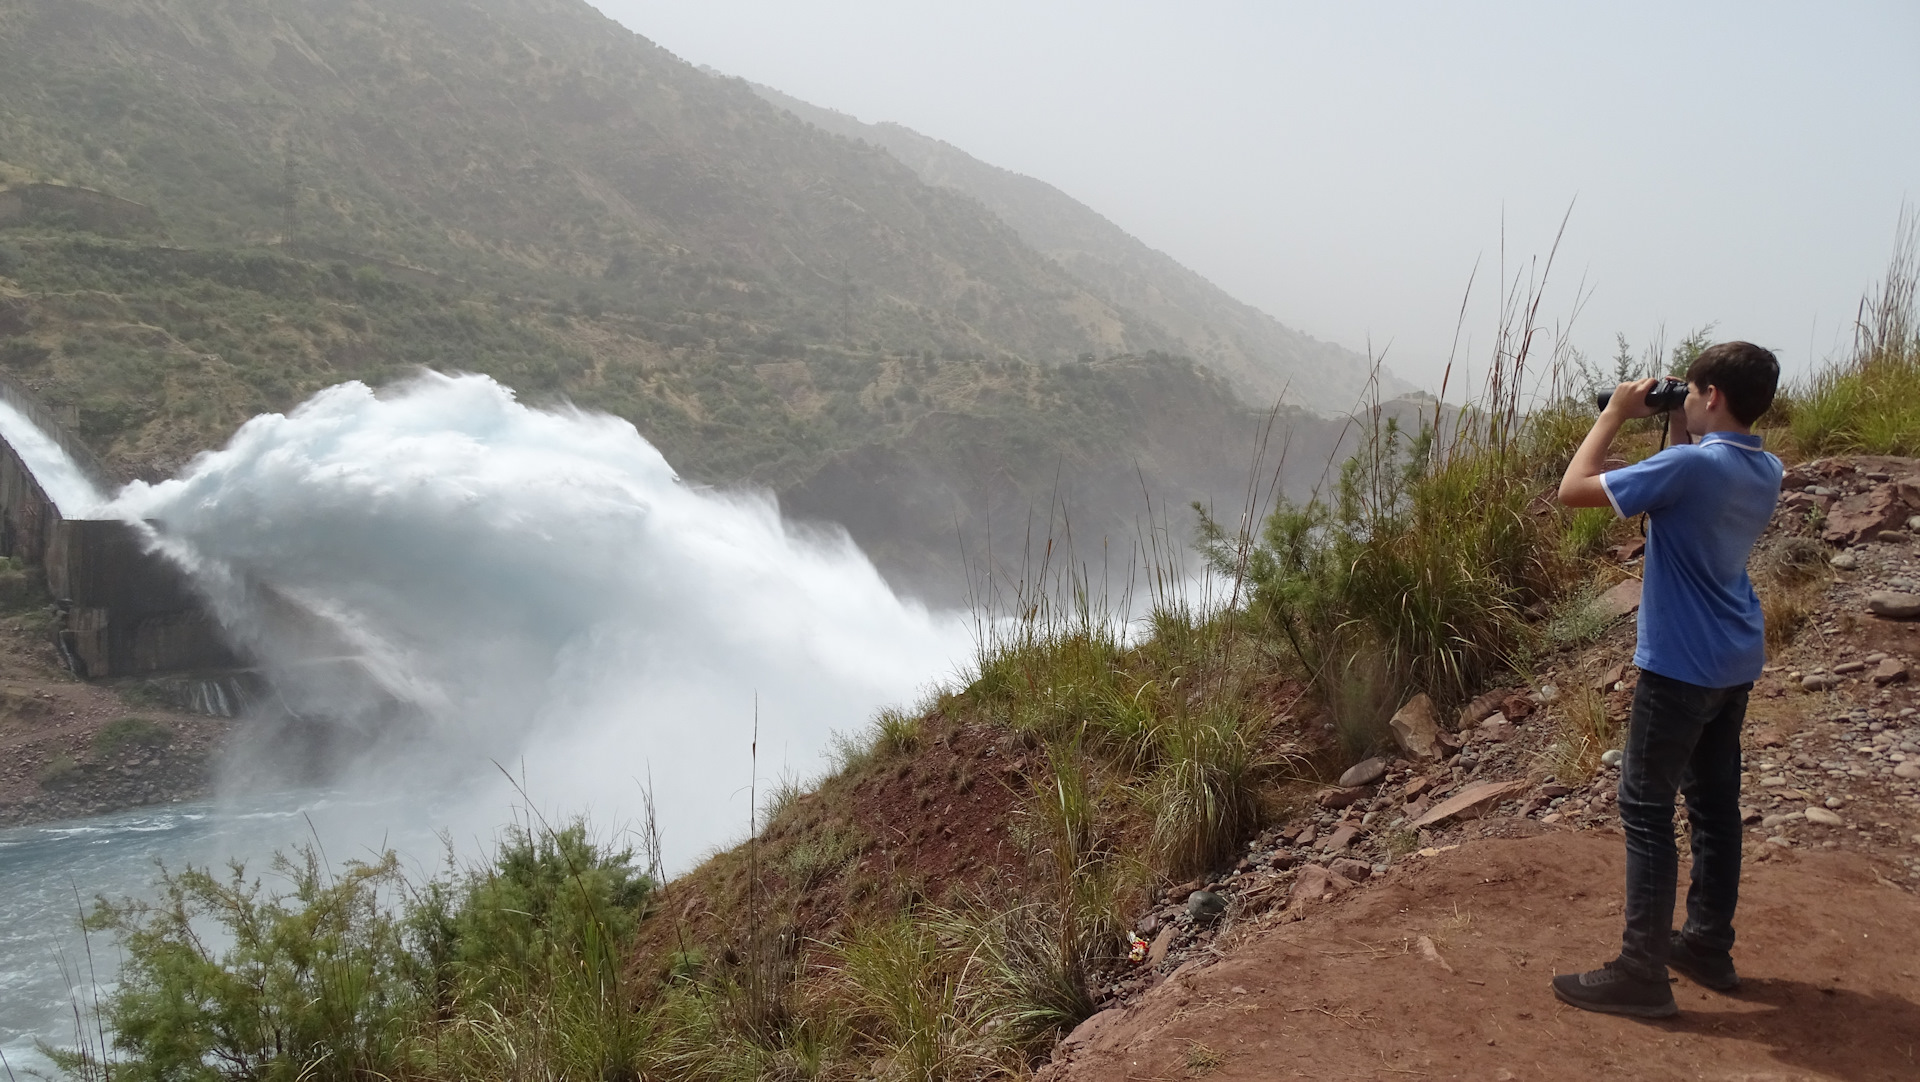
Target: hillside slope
x=534, y=143
x=1266, y=359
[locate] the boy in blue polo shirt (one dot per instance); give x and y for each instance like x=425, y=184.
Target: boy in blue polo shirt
x=1701, y=645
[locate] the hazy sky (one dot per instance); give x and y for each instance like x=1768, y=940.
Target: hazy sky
x=1342, y=166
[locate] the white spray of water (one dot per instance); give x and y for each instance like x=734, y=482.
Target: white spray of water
x=537, y=588
x=60, y=477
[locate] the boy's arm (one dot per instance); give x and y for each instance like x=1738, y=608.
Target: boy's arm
x=1581, y=487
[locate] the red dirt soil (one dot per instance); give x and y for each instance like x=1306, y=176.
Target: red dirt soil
x=1829, y=955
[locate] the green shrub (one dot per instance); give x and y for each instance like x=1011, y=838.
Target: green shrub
x=59, y=770
x=313, y=984
x=127, y=734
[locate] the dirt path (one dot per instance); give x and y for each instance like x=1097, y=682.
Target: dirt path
x=1829, y=954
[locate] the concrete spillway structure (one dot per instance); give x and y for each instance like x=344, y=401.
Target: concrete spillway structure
x=123, y=610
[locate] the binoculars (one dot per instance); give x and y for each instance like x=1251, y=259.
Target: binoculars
x=1668, y=394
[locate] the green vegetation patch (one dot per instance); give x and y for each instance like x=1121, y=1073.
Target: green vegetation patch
x=130, y=734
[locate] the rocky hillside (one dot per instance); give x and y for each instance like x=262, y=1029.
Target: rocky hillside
x=1466, y=866
x=1266, y=359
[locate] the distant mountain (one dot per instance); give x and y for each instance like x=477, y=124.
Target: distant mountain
x=213, y=208
x=534, y=144
x=1262, y=357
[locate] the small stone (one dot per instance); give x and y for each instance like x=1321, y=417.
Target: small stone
x=1416, y=731
x=1611, y=757
x=1848, y=668
x=1781, y=841
x=1365, y=772
x=1341, y=838
x=1621, y=600
x=1835, y=802
x=1749, y=814
x=1204, y=906
x=1610, y=677
x=1892, y=537
x=1894, y=606
x=1908, y=770
x=1779, y=819
x=1356, y=870
x=1824, y=817
x=1315, y=883
x=1819, y=681
x=1890, y=671
x=1496, y=729
x=1157, y=953
x=1554, y=789
x=1845, y=561
x=1914, y=523
x=1340, y=798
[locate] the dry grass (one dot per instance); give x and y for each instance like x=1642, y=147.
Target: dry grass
x=1583, y=732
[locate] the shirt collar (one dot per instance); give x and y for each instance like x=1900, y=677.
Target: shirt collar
x=1747, y=440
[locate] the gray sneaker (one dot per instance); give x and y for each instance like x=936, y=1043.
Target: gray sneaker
x=1708, y=969
x=1612, y=990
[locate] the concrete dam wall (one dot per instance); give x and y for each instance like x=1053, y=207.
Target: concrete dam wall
x=123, y=611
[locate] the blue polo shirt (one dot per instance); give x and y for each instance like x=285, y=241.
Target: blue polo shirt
x=1706, y=504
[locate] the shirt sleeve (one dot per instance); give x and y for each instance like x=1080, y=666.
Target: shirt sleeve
x=1648, y=485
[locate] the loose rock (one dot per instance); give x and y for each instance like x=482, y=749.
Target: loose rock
x=1356, y=870
x=1844, y=561
x=1824, y=817
x=1890, y=671
x=1621, y=600
x=1469, y=802
x=1204, y=906
x=1611, y=757
x=1315, y=884
x=1416, y=732
x=1340, y=798
x=1893, y=605
x=1340, y=838
x=1365, y=772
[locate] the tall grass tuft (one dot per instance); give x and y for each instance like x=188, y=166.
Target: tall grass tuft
x=904, y=985
x=1870, y=403
x=1206, y=793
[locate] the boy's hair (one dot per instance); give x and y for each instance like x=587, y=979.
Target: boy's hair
x=1745, y=373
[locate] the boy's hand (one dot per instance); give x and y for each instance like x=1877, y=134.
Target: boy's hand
x=1630, y=399
x=1582, y=487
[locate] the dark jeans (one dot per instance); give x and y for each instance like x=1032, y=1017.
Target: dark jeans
x=1681, y=738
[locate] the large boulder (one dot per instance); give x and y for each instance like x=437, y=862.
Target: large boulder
x=1416, y=732
x=1861, y=517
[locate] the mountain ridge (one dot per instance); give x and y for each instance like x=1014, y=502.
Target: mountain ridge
x=1266, y=359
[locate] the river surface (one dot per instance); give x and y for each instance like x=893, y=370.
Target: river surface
x=50, y=871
